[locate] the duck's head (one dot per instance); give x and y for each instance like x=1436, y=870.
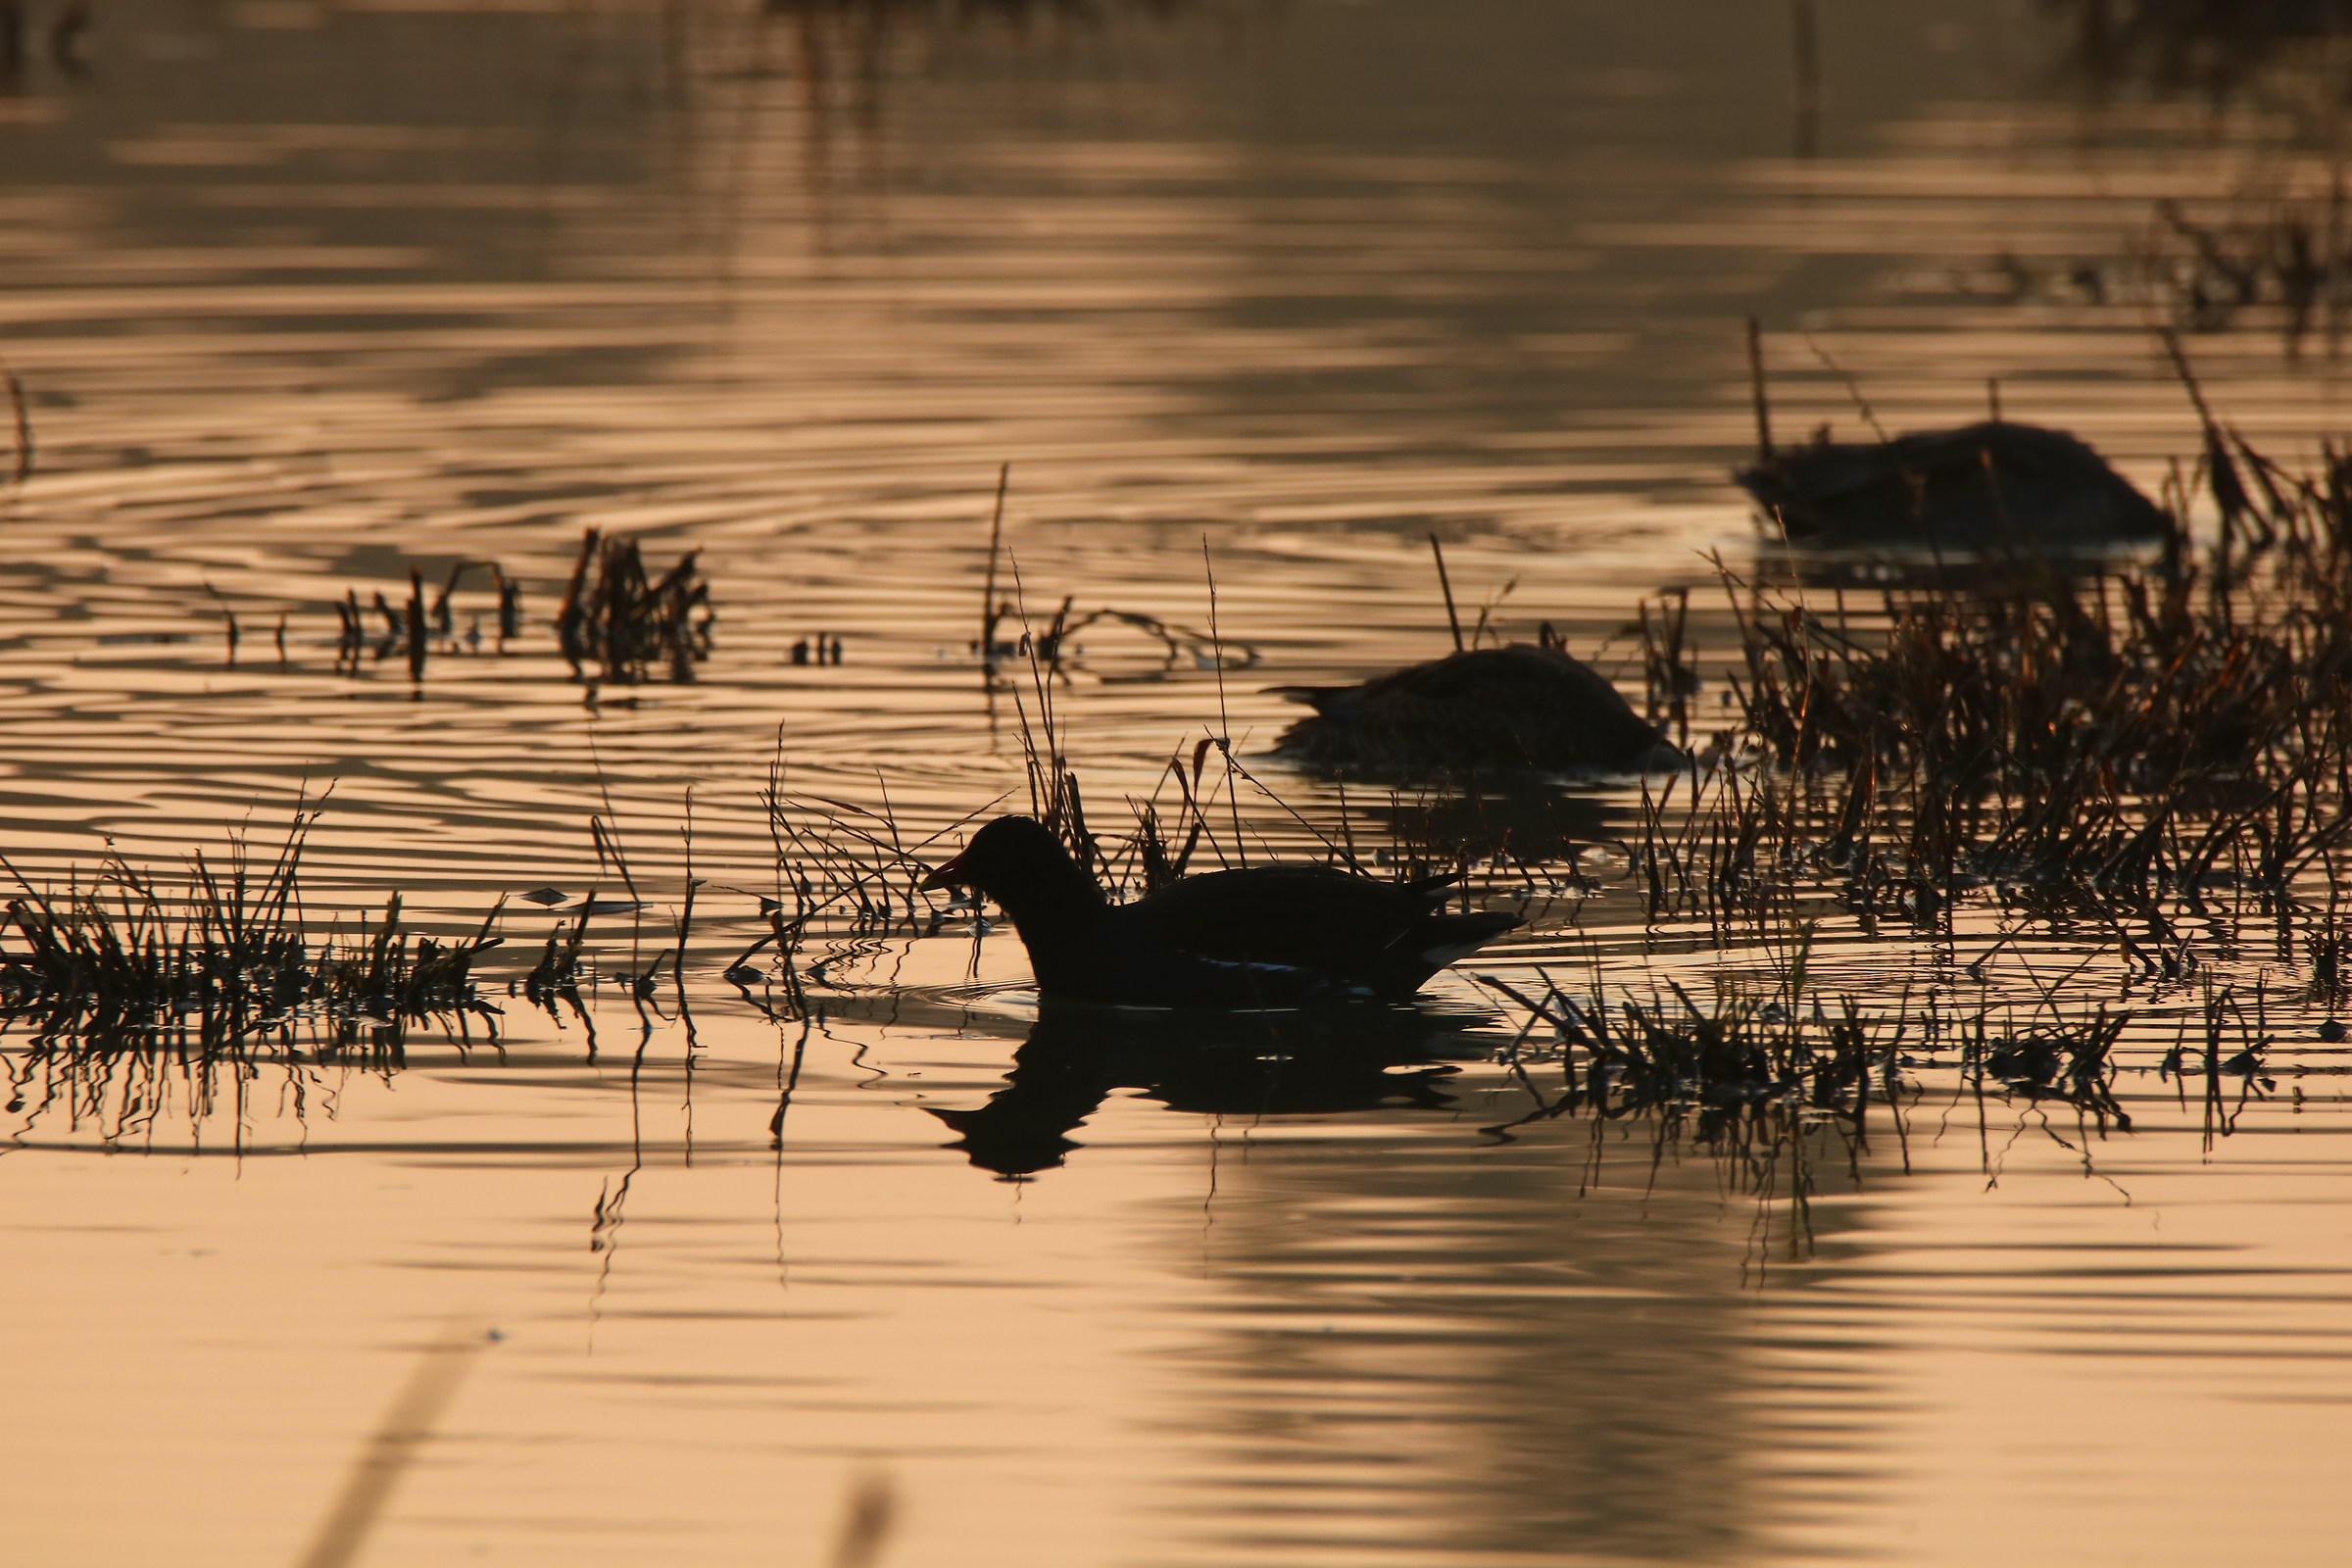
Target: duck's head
x=1009, y=854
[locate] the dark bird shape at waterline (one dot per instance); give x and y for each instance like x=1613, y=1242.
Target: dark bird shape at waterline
x=1993, y=487
x=1520, y=706
x=1314, y=1062
x=1268, y=936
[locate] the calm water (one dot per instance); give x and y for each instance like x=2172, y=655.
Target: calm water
x=305, y=294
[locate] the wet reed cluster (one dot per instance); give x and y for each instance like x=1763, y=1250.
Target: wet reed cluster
x=223, y=960
x=1772, y=1079
x=2057, y=738
x=620, y=624
x=1743, y=1076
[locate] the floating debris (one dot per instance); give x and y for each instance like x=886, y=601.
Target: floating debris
x=606, y=907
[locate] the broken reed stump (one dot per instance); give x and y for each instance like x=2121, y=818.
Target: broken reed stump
x=623, y=625
x=819, y=649
x=417, y=626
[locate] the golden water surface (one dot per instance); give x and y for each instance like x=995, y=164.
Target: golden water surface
x=306, y=293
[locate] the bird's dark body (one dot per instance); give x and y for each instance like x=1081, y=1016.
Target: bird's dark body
x=1982, y=487
x=1516, y=707
x=1273, y=936
x=1378, y=936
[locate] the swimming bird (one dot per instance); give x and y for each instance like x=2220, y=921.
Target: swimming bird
x=1986, y=486
x=1267, y=935
x=1516, y=706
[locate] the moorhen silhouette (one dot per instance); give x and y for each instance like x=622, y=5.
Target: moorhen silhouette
x=1982, y=487
x=1268, y=936
x=1520, y=706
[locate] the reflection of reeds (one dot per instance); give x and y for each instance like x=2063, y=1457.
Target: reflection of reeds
x=392, y=1447
x=1772, y=1079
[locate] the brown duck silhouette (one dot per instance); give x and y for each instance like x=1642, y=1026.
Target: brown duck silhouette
x=1983, y=487
x=1520, y=706
x=1268, y=936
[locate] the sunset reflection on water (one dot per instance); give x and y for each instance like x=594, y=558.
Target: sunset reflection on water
x=306, y=295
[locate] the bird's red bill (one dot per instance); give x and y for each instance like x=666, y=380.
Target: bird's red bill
x=949, y=875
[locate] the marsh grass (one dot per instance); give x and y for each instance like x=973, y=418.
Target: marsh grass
x=2060, y=740
x=1741, y=1075
x=621, y=626
x=1785, y=1085
x=2282, y=262
x=226, y=959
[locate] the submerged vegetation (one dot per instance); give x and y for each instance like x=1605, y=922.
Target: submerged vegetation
x=1782, y=1083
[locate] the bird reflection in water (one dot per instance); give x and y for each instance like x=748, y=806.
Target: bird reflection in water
x=1314, y=1062
x=1526, y=821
